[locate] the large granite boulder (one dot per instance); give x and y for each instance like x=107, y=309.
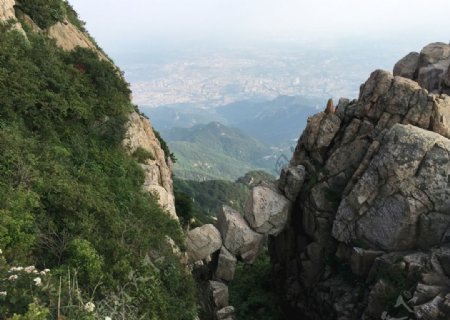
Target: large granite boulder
x=202, y=242
x=267, y=210
x=237, y=236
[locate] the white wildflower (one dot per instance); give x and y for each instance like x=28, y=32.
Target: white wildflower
x=37, y=281
x=15, y=269
x=1, y=251
x=89, y=307
x=13, y=277
x=3, y=293
x=108, y=318
x=44, y=272
x=30, y=269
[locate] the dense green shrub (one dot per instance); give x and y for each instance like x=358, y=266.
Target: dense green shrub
x=251, y=291
x=141, y=155
x=71, y=198
x=44, y=13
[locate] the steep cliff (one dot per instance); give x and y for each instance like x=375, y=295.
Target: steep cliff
x=369, y=233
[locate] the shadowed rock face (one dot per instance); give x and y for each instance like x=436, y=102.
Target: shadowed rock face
x=371, y=223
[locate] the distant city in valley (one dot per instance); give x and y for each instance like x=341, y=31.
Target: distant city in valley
x=215, y=77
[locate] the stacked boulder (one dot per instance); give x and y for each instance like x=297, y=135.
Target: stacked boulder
x=215, y=250
x=369, y=231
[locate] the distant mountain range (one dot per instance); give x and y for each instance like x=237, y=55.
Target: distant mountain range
x=228, y=141
x=274, y=122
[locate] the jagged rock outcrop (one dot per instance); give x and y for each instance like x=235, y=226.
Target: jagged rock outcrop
x=368, y=236
x=158, y=171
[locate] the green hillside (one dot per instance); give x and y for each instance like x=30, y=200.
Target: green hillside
x=215, y=151
x=70, y=197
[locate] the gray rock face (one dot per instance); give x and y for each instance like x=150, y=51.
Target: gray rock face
x=267, y=210
x=375, y=203
x=291, y=181
x=203, y=241
x=226, y=265
x=237, y=236
x=407, y=179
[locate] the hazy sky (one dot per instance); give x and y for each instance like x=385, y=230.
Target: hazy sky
x=113, y=22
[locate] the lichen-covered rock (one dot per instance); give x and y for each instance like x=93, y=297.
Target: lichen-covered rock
x=267, y=210
x=226, y=265
x=202, y=242
x=158, y=171
x=237, y=236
